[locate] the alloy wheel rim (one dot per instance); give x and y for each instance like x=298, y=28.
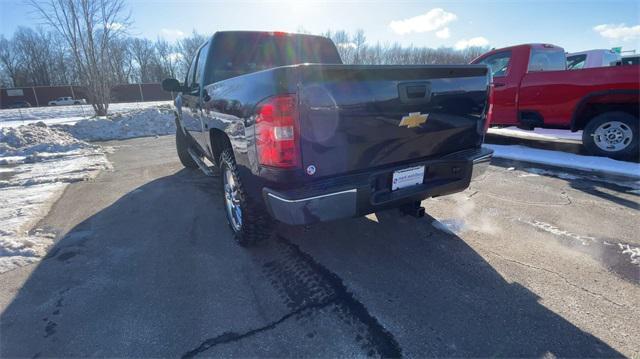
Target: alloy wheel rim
x=232, y=200
x=613, y=136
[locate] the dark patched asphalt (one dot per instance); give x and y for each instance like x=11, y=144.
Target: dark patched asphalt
x=527, y=262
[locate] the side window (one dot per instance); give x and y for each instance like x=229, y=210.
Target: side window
x=200, y=64
x=576, y=62
x=499, y=63
x=188, y=82
x=610, y=59
x=547, y=59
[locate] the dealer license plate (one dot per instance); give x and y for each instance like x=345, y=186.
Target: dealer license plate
x=407, y=177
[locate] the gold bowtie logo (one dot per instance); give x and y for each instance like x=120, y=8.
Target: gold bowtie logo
x=415, y=119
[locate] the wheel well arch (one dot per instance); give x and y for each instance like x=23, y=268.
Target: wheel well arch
x=600, y=102
x=219, y=141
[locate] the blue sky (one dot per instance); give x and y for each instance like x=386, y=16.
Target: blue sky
x=575, y=25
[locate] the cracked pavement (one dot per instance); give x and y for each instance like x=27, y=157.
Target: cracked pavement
x=144, y=265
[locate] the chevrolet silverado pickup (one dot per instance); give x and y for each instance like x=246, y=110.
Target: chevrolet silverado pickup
x=299, y=138
x=533, y=88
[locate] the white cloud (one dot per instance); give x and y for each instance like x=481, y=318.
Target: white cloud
x=618, y=31
x=172, y=34
x=443, y=34
x=472, y=42
x=434, y=19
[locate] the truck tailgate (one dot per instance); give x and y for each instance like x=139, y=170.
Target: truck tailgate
x=361, y=117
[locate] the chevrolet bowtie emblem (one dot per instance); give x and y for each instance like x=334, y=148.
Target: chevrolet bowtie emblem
x=415, y=119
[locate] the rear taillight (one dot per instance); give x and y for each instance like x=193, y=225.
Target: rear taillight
x=277, y=132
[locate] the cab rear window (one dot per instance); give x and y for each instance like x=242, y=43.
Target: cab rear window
x=547, y=59
x=237, y=54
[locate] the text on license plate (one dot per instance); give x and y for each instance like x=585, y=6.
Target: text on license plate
x=407, y=177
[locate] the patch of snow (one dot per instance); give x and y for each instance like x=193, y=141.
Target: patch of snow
x=566, y=160
x=148, y=122
x=66, y=114
x=584, y=240
x=633, y=252
x=44, y=160
x=538, y=133
x=529, y=174
x=544, y=172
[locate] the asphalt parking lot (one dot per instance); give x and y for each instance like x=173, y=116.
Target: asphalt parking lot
x=524, y=263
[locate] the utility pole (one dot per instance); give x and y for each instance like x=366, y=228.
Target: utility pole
x=33, y=88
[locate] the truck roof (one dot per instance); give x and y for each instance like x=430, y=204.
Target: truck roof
x=515, y=47
x=271, y=33
x=591, y=52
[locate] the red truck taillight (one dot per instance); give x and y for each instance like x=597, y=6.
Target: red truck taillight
x=277, y=132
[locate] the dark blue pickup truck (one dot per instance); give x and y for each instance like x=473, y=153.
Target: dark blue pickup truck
x=301, y=138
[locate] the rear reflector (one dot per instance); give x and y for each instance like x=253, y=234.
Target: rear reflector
x=277, y=132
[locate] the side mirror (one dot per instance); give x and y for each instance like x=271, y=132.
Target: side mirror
x=171, y=85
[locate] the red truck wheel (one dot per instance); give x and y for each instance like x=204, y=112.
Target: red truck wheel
x=612, y=134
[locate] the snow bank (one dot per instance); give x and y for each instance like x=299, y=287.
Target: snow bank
x=538, y=133
x=147, y=122
x=37, y=141
x=38, y=162
x=66, y=114
x=567, y=160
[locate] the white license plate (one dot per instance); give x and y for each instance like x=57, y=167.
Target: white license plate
x=407, y=177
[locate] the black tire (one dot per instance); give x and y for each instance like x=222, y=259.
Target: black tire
x=182, y=147
x=255, y=225
x=628, y=121
x=76, y=103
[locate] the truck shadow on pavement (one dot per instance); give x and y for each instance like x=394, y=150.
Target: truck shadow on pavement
x=156, y=273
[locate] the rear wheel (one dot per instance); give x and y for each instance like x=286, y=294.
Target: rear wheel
x=612, y=134
x=247, y=220
x=182, y=147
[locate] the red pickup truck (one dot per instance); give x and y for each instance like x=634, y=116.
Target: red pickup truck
x=532, y=88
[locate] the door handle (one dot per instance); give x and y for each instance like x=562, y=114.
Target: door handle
x=498, y=84
x=415, y=92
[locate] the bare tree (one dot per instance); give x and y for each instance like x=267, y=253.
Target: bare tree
x=167, y=60
x=62, y=67
x=10, y=61
x=121, y=60
x=34, y=49
x=360, y=47
x=187, y=48
x=143, y=53
x=88, y=28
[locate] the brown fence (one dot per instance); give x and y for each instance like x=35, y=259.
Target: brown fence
x=41, y=95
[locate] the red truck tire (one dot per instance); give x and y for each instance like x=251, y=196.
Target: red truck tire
x=612, y=134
